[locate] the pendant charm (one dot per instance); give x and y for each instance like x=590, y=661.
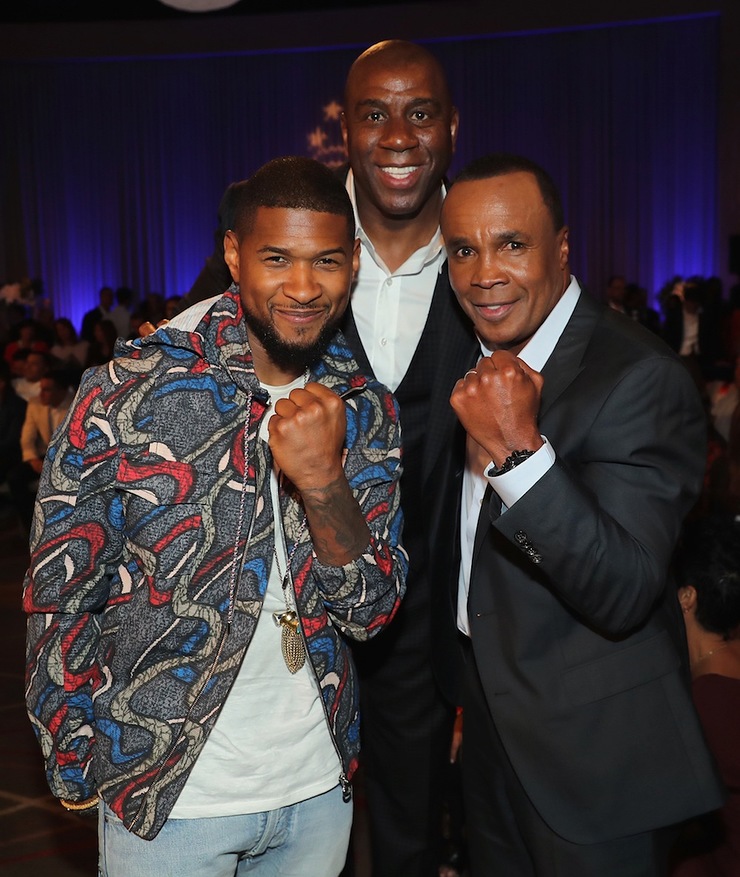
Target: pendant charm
x=294, y=652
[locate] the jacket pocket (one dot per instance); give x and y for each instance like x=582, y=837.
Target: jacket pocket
x=622, y=670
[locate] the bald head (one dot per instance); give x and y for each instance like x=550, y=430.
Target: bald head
x=397, y=54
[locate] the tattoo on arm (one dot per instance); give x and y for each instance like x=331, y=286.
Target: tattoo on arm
x=338, y=528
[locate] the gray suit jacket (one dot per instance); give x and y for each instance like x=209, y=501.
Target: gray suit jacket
x=575, y=623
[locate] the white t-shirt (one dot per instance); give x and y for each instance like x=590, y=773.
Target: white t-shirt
x=270, y=746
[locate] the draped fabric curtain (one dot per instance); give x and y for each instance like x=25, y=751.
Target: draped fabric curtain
x=111, y=170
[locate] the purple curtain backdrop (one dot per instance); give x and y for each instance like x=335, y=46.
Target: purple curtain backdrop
x=112, y=170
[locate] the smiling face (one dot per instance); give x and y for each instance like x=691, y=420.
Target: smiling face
x=508, y=263
x=294, y=268
x=399, y=129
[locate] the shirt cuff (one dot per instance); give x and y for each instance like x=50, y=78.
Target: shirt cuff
x=512, y=485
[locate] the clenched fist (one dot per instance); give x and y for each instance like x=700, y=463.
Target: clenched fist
x=307, y=433
x=498, y=402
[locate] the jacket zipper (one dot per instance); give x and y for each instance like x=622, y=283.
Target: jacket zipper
x=343, y=779
x=233, y=585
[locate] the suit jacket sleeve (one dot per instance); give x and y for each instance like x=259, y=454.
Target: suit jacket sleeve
x=602, y=523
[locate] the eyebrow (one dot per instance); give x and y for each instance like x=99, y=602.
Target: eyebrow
x=500, y=238
x=282, y=251
x=368, y=103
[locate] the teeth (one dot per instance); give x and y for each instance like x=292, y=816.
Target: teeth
x=399, y=171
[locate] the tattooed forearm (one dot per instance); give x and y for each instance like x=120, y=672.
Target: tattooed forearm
x=338, y=529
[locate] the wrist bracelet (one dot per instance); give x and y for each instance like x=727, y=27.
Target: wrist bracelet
x=513, y=460
x=88, y=804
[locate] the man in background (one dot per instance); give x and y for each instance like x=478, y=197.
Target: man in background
x=44, y=414
x=400, y=129
x=102, y=311
x=405, y=327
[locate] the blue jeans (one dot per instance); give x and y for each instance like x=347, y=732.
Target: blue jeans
x=308, y=839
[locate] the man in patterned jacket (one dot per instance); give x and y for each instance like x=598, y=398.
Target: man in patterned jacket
x=219, y=511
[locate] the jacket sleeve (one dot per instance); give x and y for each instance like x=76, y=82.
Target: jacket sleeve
x=75, y=542
x=601, y=525
x=362, y=596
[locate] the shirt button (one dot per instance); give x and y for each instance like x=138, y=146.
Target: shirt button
x=383, y=342
x=389, y=281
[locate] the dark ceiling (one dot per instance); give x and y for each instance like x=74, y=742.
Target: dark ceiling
x=39, y=11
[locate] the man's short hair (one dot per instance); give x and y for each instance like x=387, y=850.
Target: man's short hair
x=60, y=377
x=291, y=182
x=498, y=164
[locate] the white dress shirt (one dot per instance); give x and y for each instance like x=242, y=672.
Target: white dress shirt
x=512, y=485
x=391, y=308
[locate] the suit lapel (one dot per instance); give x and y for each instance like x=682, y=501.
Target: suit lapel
x=563, y=366
x=456, y=352
x=566, y=361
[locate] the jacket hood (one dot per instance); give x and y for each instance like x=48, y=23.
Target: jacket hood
x=214, y=331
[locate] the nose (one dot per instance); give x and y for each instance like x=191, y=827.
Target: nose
x=302, y=285
x=399, y=134
x=488, y=271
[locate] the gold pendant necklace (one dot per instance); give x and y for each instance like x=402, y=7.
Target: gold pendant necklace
x=291, y=639
x=712, y=652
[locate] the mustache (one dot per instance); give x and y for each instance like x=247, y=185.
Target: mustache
x=299, y=307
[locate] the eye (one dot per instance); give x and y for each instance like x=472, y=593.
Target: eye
x=375, y=116
x=514, y=245
x=420, y=116
x=464, y=252
x=331, y=262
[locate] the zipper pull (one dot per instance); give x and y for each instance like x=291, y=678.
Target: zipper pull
x=346, y=788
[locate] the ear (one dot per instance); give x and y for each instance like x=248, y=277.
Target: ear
x=687, y=598
x=231, y=254
x=564, y=246
x=343, y=126
x=454, y=124
x=355, y=258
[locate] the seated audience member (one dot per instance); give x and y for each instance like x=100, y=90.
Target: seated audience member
x=43, y=416
x=615, y=292
x=101, y=311
x=724, y=396
x=120, y=316
x=708, y=574
x=636, y=306
x=12, y=413
x=27, y=382
x=17, y=364
x=732, y=322
x=684, y=330
x=171, y=306
x=723, y=476
x=27, y=337
x=69, y=349
x=101, y=349
x=153, y=307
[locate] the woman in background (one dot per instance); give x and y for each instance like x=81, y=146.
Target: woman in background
x=708, y=573
x=68, y=348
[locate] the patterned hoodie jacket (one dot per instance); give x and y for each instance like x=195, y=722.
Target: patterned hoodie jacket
x=151, y=546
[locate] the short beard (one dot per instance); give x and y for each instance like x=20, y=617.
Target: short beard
x=286, y=355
